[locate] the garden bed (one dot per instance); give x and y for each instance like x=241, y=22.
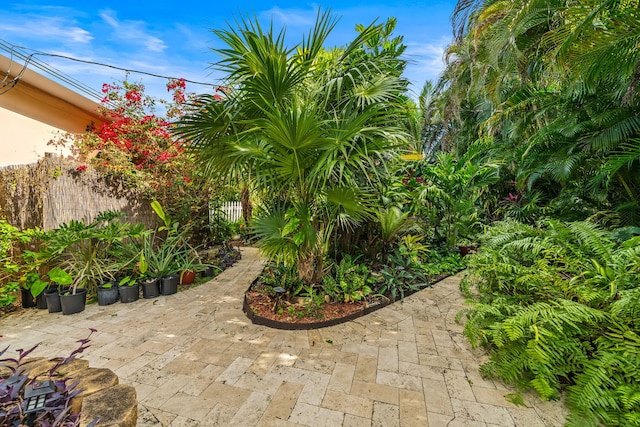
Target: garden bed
x=259, y=306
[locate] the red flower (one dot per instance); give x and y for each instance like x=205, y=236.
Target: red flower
x=174, y=84
x=133, y=96
x=186, y=179
x=106, y=88
x=81, y=168
x=178, y=97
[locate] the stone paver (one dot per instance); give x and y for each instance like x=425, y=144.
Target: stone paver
x=196, y=360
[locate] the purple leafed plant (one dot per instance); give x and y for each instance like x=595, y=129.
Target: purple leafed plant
x=57, y=405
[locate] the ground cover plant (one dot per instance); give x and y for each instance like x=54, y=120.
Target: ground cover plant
x=557, y=307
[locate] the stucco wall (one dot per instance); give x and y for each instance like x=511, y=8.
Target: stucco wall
x=24, y=140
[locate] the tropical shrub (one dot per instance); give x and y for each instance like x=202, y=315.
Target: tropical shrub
x=448, y=192
x=401, y=275
x=8, y=265
x=19, y=267
x=557, y=306
x=137, y=155
x=555, y=85
x=280, y=275
x=134, y=147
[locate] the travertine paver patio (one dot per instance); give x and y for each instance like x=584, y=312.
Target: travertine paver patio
x=195, y=359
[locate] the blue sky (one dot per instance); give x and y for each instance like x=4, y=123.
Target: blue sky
x=175, y=39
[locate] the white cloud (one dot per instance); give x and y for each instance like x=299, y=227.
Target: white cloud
x=132, y=32
x=291, y=17
x=194, y=41
x=426, y=59
x=52, y=28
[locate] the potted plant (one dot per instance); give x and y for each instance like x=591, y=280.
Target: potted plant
x=150, y=285
x=129, y=289
x=188, y=264
x=107, y=293
x=72, y=298
x=33, y=287
x=88, y=252
x=160, y=262
x=52, y=296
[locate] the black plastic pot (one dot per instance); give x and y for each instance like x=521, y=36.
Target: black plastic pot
x=73, y=303
x=53, y=300
x=169, y=284
x=108, y=295
x=41, y=301
x=129, y=293
x=150, y=288
x=208, y=272
x=27, y=298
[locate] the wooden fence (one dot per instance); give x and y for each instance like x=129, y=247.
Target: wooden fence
x=53, y=191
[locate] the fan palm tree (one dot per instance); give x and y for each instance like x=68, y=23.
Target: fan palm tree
x=310, y=126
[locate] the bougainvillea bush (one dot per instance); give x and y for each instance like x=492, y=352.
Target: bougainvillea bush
x=135, y=146
x=137, y=153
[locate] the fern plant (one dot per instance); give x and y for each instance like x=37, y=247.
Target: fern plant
x=558, y=306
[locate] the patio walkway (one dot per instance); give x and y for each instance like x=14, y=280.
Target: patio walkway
x=196, y=360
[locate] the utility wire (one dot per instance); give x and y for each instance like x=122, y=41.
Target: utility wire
x=46, y=68
x=124, y=69
x=21, y=53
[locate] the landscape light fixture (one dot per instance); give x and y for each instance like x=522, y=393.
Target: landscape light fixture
x=279, y=290
x=35, y=396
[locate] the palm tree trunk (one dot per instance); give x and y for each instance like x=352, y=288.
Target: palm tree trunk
x=247, y=208
x=306, y=268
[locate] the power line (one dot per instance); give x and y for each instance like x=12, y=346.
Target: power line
x=125, y=69
x=21, y=53
x=29, y=59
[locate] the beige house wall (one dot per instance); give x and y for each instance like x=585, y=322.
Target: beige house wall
x=33, y=109
x=24, y=140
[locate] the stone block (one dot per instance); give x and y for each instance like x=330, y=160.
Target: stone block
x=116, y=406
